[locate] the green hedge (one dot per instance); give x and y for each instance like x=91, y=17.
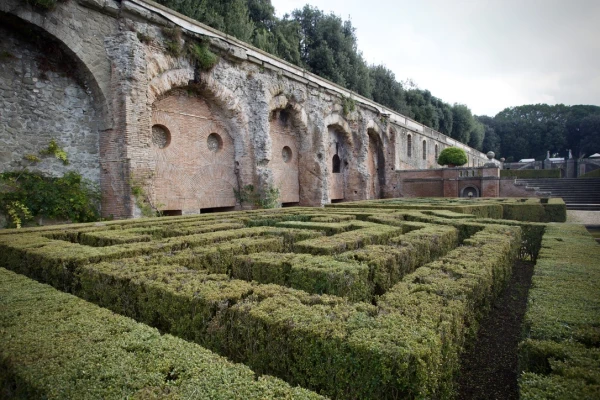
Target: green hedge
x=560, y=352
x=395, y=350
x=56, y=346
x=403, y=254
x=533, y=210
x=313, y=274
x=530, y=173
x=592, y=174
x=350, y=240
x=530, y=210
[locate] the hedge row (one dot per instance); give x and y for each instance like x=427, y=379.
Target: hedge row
x=56, y=346
x=536, y=210
x=530, y=173
x=37, y=256
x=346, y=350
x=531, y=233
x=350, y=240
x=529, y=210
x=313, y=274
x=451, y=295
x=560, y=353
x=403, y=254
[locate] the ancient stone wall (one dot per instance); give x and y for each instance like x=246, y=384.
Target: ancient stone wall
x=191, y=136
x=42, y=98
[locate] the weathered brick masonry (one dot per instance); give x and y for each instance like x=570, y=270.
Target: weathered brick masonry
x=132, y=112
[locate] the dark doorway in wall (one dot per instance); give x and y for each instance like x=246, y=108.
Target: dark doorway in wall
x=216, y=210
x=171, y=213
x=337, y=201
x=293, y=204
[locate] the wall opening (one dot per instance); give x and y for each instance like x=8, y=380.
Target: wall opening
x=409, y=146
x=338, y=154
x=216, y=210
x=336, y=164
x=293, y=204
x=333, y=201
x=436, y=153
x=469, y=192
x=424, y=150
x=171, y=213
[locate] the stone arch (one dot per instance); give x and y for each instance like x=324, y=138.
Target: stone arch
x=291, y=156
x=375, y=162
x=464, y=192
x=340, y=144
x=202, y=167
x=48, y=92
x=89, y=55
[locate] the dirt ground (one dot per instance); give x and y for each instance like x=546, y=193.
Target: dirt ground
x=489, y=368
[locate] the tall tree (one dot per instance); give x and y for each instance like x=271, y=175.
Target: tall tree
x=462, y=123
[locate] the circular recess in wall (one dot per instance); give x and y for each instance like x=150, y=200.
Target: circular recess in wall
x=161, y=137
x=214, y=142
x=286, y=154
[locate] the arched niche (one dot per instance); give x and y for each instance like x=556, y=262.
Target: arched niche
x=375, y=165
x=47, y=93
x=194, y=169
x=285, y=158
x=339, y=154
x=470, y=191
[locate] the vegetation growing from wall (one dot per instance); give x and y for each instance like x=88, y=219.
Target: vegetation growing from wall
x=26, y=194
x=267, y=198
x=452, y=156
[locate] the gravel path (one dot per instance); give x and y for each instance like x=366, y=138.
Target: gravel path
x=583, y=217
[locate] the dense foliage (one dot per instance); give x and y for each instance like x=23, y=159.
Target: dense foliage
x=532, y=130
x=326, y=45
x=25, y=194
x=452, y=156
x=69, y=197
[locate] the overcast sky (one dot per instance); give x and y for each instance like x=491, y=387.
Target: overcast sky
x=488, y=55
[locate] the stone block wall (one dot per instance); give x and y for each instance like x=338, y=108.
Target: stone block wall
x=138, y=114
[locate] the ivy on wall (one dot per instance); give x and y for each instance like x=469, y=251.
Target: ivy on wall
x=25, y=194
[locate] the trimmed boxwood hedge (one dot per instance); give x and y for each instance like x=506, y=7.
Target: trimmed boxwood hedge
x=56, y=346
x=424, y=295
x=338, y=348
x=560, y=351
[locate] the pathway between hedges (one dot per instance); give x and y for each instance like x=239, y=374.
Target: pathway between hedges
x=489, y=368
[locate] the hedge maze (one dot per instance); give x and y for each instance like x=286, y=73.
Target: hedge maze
x=357, y=300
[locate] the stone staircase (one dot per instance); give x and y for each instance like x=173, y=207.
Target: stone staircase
x=578, y=194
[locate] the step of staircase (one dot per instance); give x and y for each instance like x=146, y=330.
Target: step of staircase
x=578, y=194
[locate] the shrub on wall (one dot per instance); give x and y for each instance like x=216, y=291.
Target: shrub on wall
x=26, y=194
x=452, y=156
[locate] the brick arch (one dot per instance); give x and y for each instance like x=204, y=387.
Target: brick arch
x=94, y=67
x=293, y=177
x=195, y=178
